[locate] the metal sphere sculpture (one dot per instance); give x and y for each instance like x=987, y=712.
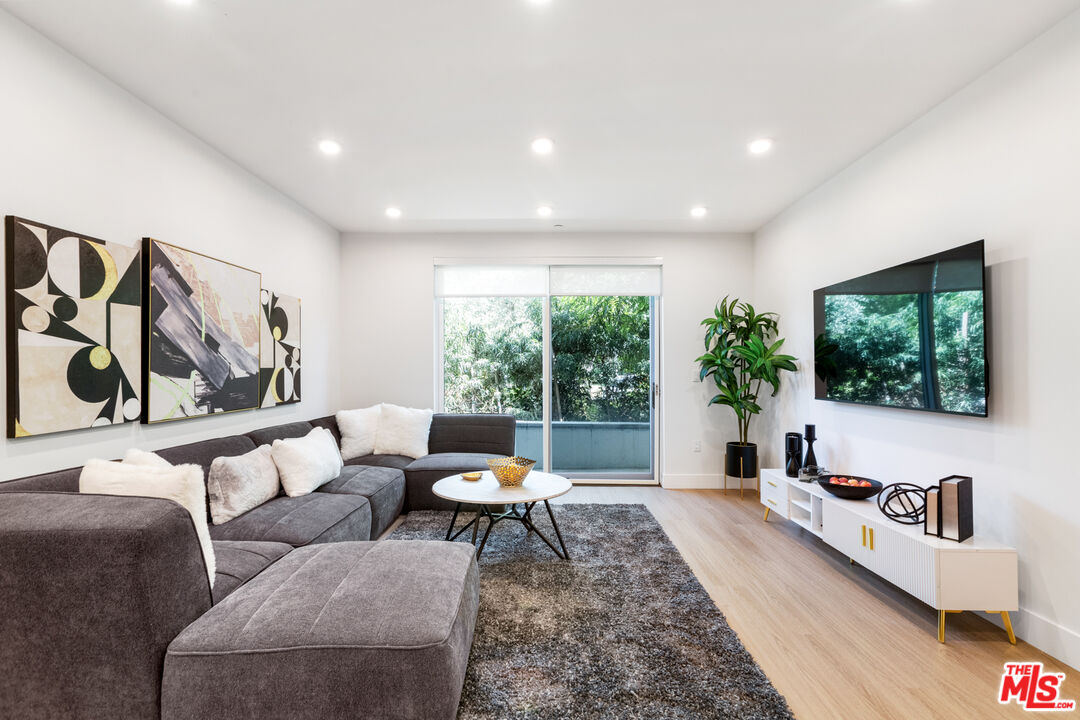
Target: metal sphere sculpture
x=904, y=503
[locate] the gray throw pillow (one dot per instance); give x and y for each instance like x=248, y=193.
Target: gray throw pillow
x=241, y=483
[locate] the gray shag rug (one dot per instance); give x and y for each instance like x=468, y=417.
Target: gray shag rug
x=622, y=630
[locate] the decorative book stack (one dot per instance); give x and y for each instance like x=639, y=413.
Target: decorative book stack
x=949, y=512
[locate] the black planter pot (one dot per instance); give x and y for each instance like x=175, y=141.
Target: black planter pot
x=742, y=460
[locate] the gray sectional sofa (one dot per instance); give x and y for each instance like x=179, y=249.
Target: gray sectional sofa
x=107, y=610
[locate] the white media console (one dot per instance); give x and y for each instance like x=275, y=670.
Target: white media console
x=977, y=574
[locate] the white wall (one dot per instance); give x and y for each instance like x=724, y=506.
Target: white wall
x=78, y=152
x=388, y=322
x=1000, y=161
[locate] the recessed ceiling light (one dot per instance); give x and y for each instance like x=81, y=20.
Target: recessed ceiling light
x=544, y=211
x=543, y=146
x=760, y=146
x=393, y=212
x=330, y=147
x=699, y=211
x=183, y=2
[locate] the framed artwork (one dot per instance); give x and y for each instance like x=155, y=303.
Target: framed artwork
x=279, y=376
x=201, y=353
x=73, y=330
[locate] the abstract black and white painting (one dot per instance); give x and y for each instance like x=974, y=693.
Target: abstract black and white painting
x=279, y=377
x=202, y=349
x=72, y=330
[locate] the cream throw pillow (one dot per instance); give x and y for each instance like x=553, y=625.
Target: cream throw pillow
x=307, y=463
x=241, y=483
x=144, y=474
x=358, y=429
x=403, y=431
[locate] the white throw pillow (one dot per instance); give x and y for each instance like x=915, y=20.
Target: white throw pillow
x=142, y=476
x=403, y=431
x=307, y=463
x=135, y=456
x=358, y=429
x=241, y=483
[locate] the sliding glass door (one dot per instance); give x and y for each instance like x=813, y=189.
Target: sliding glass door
x=570, y=351
x=602, y=386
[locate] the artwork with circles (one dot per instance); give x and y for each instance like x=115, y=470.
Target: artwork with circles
x=73, y=330
x=279, y=374
x=202, y=318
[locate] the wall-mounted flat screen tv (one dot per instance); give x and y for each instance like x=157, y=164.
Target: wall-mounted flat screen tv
x=912, y=336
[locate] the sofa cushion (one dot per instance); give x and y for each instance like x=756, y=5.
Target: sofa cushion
x=348, y=630
x=421, y=474
x=203, y=453
x=304, y=520
x=383, y=487
x=330, y=423
x=267, y=436
x=452, y=433
x=392, y=461
x=238, y=561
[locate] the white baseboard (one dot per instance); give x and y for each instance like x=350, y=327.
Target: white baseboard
x=704, y=482
x=1055, y=640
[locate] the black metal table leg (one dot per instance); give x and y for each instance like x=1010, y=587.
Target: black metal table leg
x=457, y=508
x=558, y=534
x=491, y=523
x=525, y=518
x=476, y=522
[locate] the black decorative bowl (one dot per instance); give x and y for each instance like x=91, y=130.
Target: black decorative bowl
x=850, y=492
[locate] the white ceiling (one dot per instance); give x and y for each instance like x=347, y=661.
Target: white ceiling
x=650, y=102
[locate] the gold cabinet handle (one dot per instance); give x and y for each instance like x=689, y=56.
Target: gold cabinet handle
x=864, y=536
x=771, y=483
x=871, y=538
x=771, y=501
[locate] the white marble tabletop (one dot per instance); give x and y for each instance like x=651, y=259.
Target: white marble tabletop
x=487, y=491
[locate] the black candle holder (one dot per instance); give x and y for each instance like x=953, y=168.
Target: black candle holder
x=810, y=435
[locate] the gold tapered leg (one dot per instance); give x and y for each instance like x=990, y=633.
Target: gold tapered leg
x=941, y=626
x=725, y=473
x=767, y=514
x=1008, y=626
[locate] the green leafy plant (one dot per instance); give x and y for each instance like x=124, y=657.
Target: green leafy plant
x=742, y=353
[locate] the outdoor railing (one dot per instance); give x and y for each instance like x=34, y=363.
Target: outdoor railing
x=590, y=447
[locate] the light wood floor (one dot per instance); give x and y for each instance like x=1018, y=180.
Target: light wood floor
x=838, y=642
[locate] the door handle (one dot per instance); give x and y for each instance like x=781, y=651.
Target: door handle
x=771, y=501
x=871, y=538
x=771, y=483
x=864, y=536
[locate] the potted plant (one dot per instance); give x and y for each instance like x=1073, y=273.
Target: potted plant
x=742, y=353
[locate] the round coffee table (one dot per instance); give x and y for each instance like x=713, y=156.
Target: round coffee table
x=486, y=492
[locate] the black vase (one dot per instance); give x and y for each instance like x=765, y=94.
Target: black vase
x=792, y=454
x=742, y=460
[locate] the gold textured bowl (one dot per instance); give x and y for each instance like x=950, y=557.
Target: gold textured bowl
x=511, y=471
x=471, y=475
